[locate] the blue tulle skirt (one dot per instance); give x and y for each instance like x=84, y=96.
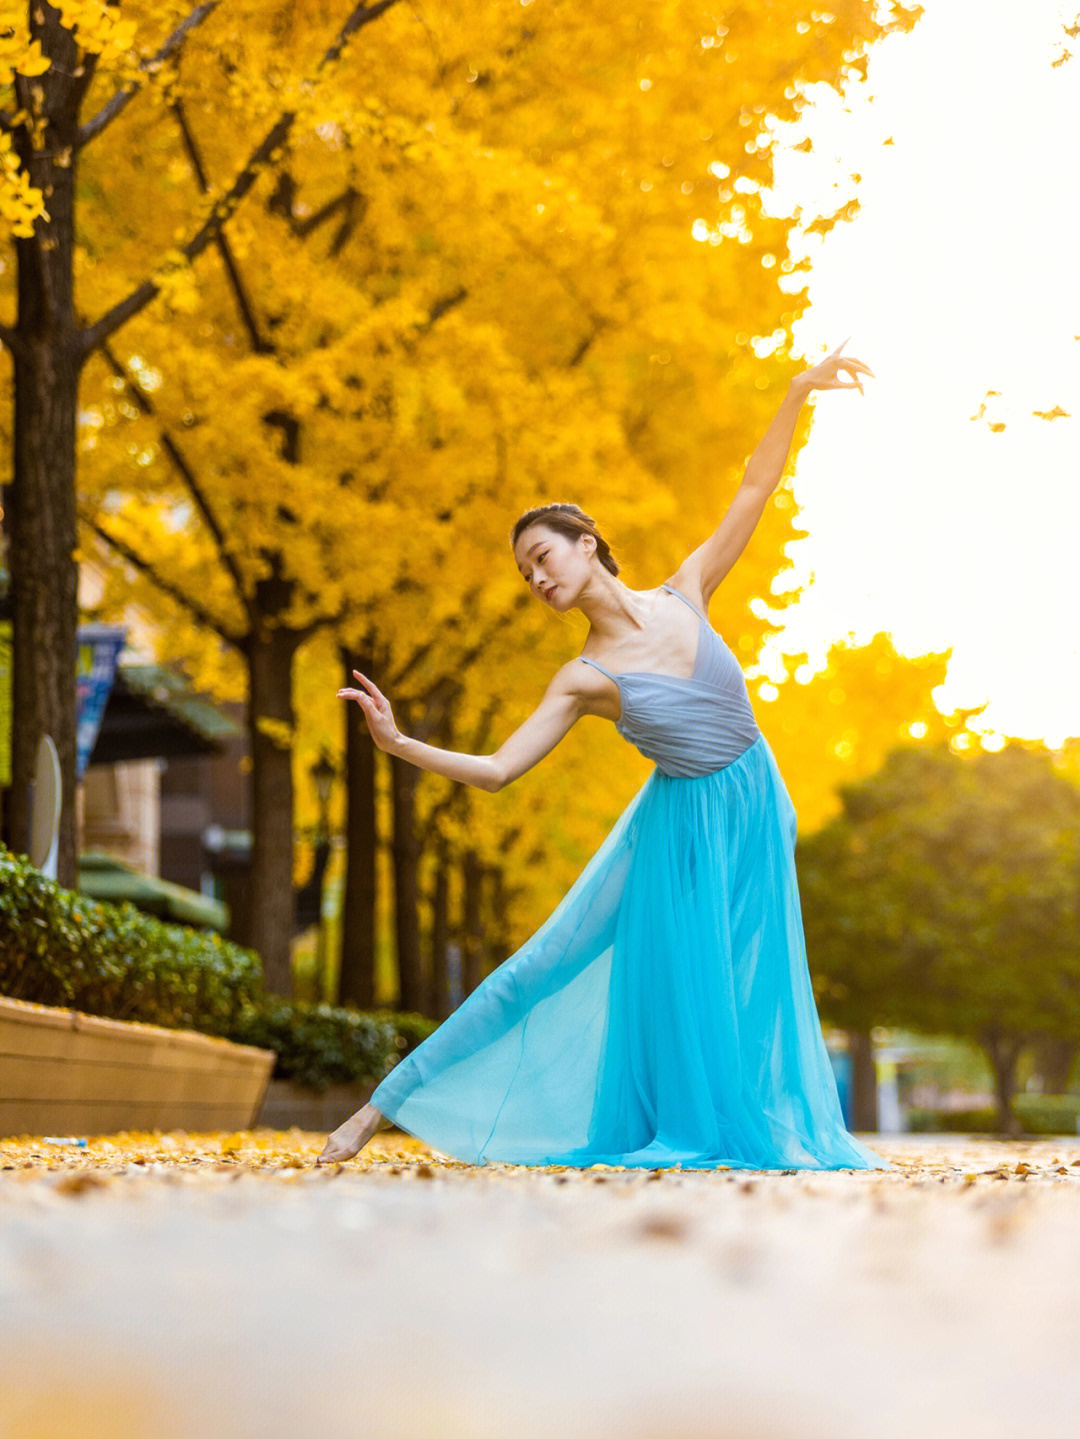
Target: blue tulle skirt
x=663, y=1015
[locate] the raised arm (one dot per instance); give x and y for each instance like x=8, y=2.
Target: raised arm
x=711, y=561
x=554, y=716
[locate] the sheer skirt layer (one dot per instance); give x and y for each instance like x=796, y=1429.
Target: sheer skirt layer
x=662, y=1015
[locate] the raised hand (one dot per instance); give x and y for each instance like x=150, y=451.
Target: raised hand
x=377, y=712
x=826, y=374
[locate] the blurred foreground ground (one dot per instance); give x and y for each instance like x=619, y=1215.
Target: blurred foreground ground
x=220, y=1285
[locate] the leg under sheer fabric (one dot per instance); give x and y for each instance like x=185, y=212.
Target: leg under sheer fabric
x=662, y=1015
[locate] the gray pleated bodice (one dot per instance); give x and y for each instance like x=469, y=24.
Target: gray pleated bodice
x=691, y=726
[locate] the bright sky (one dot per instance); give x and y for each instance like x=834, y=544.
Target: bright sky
x=959, y=275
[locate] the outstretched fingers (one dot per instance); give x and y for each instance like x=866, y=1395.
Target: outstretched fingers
x=369, y=692
x=381, y=702
x=854, y=370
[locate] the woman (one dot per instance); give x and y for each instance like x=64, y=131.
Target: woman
x=663, y=1015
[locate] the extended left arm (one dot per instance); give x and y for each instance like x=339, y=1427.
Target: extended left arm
x=765, y=466
x=711, y=561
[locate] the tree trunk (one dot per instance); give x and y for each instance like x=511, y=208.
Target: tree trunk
x=472, y=924
x=1054, y=1060
x=439, y=992
x=499, y=946
x=864, y=1095
x=406, y=856
x=271, y=653
x=358, y=923
x=1003, y=1051
x=47, y=361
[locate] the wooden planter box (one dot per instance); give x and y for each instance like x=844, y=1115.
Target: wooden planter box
x=63, y=1072
x=287, y=1105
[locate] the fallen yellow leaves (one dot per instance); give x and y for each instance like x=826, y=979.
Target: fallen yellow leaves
x=962, y=1162
x=180, y=1152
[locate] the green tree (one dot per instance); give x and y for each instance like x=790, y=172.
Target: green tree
x=946, y=898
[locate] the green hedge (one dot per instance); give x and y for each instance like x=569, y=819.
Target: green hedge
x=1038, y=1113
x=317, y=1044
x=58, y=947
x=411, y=1028
x=1048, y=1113
x=951, y=1121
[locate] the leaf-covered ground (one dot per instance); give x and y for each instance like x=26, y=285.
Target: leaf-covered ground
x=916, y=1159
x=220, y=1284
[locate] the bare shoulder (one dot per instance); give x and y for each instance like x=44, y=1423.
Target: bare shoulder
x=576, y=679
x=588, y=689
x=689, y=581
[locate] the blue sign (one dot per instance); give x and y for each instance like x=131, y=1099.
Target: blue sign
x=99, y=648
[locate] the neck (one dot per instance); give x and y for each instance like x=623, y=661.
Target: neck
x=610, y=606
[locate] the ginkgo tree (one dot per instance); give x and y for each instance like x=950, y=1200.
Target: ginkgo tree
x=466, y=270
x=96, y=68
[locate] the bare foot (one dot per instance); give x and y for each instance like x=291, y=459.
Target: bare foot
x=349, y=1138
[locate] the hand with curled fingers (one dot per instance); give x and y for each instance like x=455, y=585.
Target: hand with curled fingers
x=826, y=374
x=377, y=712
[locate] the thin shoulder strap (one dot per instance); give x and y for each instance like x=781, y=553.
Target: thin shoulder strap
x=598, y=666
x=673, y=591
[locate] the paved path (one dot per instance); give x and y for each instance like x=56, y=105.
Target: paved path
x=205, y=1286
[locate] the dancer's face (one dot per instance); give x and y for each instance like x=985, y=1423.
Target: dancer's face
x=554, y=566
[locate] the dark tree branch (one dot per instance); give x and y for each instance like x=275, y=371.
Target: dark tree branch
x=325, y=622
x=307, y=226
x=187, y=474
x=355, y=211
x=536, y=252
x=81, y=81
x=584, y=347
x=361, y=16
x=418, y=656
x=283, y=202
x=123, y=98
x=166, y=586
x=109, y=323
x=260, y=345
x=466, y=657
x=436, y=704
x=9, y=338
x=440, y=307
x=141, y=296
x=284, y=193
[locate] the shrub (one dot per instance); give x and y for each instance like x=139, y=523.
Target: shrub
x=316, y=1044
x=411, y=1028
x=58, y=947
x=1038, y=1113
x=951, y=1121
x=61, y=948
x=1048, y=1113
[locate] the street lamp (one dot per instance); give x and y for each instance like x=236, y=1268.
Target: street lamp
x=323, y=773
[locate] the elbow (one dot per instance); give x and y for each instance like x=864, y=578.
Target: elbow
x=495, y=779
